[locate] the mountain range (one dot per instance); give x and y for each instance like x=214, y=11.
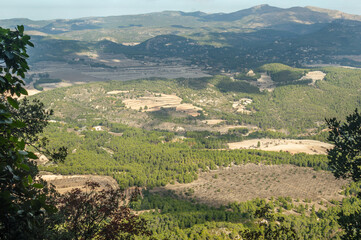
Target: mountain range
x=248, y=38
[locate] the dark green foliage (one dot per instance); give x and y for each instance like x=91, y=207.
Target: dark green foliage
x=171, y=217
x=243, y=76
x=150, y=158
x=194, y=83
x=266, y=134
x=13, y=54
x=163, y=114
x=345, y=162
x=227, y=85
x=272, y=231
x=284, y=75
x=238, y=131
x=97, y=214
x=351, y=223
x=345, y=159
x=24, y=202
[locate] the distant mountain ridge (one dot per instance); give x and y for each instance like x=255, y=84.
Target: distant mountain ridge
x=243, y=39
x=261, y=16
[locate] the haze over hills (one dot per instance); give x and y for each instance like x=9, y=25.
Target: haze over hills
x=262, y=16
x=191, y=44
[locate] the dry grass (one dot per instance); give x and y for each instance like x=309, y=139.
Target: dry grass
x=250, y=181
x=116, y=92
x=314, y=76
x=67, y=183
x=157, y=101
x=264, y=83
x=213, y=121
x=287, y=145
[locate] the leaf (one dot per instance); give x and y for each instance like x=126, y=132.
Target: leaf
x=8, y=77
x=13, y=102
x=26, y=38
x=24, y=166
x=9, y=55
x=32, y=155
x=23, y=91
x=21, y=28
x=24, y=153
x=38, y=185
x=21, y=145
x=18, y=124
x=30, y=179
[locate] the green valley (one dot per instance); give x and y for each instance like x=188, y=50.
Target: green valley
x=237, y=125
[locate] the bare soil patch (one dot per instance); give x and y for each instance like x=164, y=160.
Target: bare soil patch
x=67, y=183
x=264, y=83
x=116, y=92
x=250, y=181
x=241, y=105
x=158, y=101
x=92, y=55
x=314, y=76
x=50, y=86
x=213, y=121
x=288, y=145
x=168, y=126
x=32, y=92
x=36, y=33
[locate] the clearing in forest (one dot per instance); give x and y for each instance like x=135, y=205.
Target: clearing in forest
x=250, y=181
x=287, y=145
x=314, y=76
x=157, y=101
x=64, y=183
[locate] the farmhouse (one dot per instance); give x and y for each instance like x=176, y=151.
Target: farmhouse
x=98, y=128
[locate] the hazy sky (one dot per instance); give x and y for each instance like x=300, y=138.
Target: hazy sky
x=51, y=9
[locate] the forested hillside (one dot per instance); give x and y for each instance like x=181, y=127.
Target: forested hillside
x=294, y=105
x=150, y=158
x=179, y=117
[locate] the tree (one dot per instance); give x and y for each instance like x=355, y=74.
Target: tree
x=345, y=157
x=345, y=162
x=98, y=214
x=23, y=201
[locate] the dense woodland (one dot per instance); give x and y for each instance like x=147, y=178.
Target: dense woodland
x=171, y=217
x=151, y=158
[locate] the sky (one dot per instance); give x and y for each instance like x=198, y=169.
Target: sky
x=54, y=9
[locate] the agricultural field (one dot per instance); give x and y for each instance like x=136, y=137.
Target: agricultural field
x=287, y=145
x=250, y=181
x=67, y=183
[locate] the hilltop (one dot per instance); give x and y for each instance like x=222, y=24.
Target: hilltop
x=261, y=16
